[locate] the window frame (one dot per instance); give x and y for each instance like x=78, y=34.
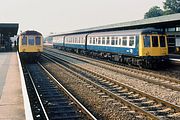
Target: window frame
x=150, y=42
x=107, y=40
x=39, y=40
x=131, y=40
x=124, y=40
x=31, y=39
x=161, y=42
x=22, y=40
x=154, y=42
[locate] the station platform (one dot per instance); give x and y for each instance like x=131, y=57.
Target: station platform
x=13, y=95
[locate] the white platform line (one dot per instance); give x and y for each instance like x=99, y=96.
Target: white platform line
x=27, y=107
x=175, y=59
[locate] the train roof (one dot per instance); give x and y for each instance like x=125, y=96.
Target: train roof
x=129, y=32
x=31, y=32
x=77, y=35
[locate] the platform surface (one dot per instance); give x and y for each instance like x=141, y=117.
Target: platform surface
x=11, y=98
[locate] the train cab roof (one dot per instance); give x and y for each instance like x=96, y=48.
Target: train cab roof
x=31, y=32
x=129, y=32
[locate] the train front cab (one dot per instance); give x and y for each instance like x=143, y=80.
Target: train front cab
x=30, y=47
x=153, y=49
x=30, y=44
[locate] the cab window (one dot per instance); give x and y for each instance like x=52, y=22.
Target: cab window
x=31, y=40
x=155, y=41
x=24, y=40
x=147, y=41
x=38, y=40
x=162, y=41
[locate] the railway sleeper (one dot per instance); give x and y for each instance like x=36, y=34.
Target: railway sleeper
x=147, y=103
x=62, y=108
x=69, y=117
x=62, y=113
x=152, y=108
x=175, y=115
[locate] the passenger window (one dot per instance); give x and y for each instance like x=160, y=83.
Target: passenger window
x=24, y=40
x=112, y=41
x=147, y=41
x=131, y=41
x=119, y=41
x=124, y=42
x=31, y=40
x=38, y=40
x=94, y=41
x=90, y=41
x=155, y=41
x=107, y=41
x=99, y=40
x=116, y=40
x=162, y=41
x=103, y=40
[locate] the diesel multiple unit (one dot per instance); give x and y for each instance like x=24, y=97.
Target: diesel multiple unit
x=143, y=47
x=30, y=44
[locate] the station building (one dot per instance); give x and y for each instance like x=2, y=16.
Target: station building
x=7, y=30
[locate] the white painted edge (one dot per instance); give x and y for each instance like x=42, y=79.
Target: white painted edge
x=175, y=59
x=27, y=107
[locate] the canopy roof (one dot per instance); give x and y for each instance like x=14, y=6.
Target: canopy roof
x=9, y=29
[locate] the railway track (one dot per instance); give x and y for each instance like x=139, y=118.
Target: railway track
x=55, y=102
x=138, y=101
x=156, y=79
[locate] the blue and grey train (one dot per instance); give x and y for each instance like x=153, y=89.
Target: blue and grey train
x=143, y=47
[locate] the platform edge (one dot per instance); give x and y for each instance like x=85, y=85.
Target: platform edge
x=27, y=106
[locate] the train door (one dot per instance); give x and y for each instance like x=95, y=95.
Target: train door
x=171, y=43
x=178, y=43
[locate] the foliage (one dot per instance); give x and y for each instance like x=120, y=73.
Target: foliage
x=172, y=6
x=153, y=12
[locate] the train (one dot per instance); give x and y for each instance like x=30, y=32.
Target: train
x=30, y=44
x=145, y=48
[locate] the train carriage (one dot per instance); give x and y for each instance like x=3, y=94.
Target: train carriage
x=143, y=47
x=58, y=41
x=30, y=44
x=75, y=42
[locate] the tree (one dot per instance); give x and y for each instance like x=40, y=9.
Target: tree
x=153, y=12
x=172, y=6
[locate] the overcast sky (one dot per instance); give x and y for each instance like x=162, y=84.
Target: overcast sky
x=59, y=16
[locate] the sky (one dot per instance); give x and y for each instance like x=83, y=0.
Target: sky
x=57, y=16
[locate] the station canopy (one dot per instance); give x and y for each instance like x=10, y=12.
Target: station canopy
x=9, y=29
x=172, y=20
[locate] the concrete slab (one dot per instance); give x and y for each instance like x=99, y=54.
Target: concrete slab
x=11, y=101
x=4, y=65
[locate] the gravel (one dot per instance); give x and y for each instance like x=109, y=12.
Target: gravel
x=102, y=108
x=152, y=89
